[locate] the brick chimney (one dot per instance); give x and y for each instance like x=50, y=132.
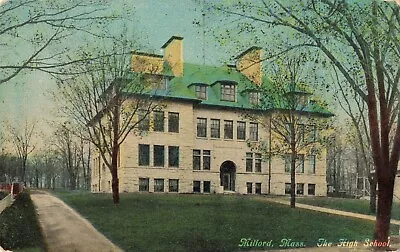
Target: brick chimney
x=249, y=64
x=173, y=54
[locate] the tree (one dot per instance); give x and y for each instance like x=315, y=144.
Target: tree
x=288, y=125
x=107, y=104
x=22, y=141
x=361, y=40
x=355, y=108
x=42, y=27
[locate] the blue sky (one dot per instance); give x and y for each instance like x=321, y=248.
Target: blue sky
x=153, y=23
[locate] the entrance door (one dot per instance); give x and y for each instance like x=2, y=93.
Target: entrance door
x=228, y=175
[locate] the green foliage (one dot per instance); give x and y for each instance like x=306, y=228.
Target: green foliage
x=19, y=227
x=176, y=222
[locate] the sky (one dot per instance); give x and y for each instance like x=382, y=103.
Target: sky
x=28, y=97
x=154, y=22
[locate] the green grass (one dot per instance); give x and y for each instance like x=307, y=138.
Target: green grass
x=19, y=227
x=351, y=205
x=172, y=222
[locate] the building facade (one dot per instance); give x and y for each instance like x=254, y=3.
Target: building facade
x=200, y=142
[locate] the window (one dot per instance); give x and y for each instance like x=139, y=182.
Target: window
x=173, y=156
x=303, y=100
x=196, y=159
x=313, y=133
x=165, y=82
x=288, y=164
x=158, y=155
x=257, y=162
x=158, y=185
x=158, y=120
x=254, y=98
x=253, y=131
x=249, y=161
x=207, y=186
x=201, y=92
x=311, y=159
x=143, y=184
x=206, y=159
x=228, y=92
x=300, y=132
x=228, y=129
x=215, y=128
x=173, y=122
x=144, y=120
x=241, y=130
x=201, y=127
x=253, y=158
x=249, y=187
x=196, y=186
x=300, y=188
x=173, y=185
x=311, y=189
x=288, y=188
x=300, y=163
x=144, y=154
x=258, y=188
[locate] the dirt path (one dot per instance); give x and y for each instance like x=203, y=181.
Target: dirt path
x=65, y=230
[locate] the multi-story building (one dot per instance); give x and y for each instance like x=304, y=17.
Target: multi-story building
x=200, y=141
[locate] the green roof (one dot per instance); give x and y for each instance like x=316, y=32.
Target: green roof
x=212, y=76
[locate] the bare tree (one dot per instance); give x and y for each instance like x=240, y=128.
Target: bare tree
x=361, y=40
x=69, y=151
x=288, y=125
x=107, y=104
x=42, y=27
x=22, y=141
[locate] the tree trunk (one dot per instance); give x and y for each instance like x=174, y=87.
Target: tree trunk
x=114, y=175
x=385, y=200
x=72, y=182
x=293, y=181
x=372, y=194
x=292, y=166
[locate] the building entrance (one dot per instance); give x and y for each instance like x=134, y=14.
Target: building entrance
x=228, y=175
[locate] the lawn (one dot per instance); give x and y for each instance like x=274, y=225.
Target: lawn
x=177, y=222
x=350, y=205
x=19, y=227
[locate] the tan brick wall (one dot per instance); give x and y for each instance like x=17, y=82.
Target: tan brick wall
x=221, y=150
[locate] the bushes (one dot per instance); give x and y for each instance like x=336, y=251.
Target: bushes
x=19, y=227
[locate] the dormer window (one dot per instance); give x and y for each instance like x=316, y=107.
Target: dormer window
x=156, y=81
x=165, y=82
x=201, y=92
x=254, y=98
x=228, y=92
x=303, y=100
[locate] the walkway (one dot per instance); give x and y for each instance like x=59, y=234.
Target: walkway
x=65, y=230
x=394, y=244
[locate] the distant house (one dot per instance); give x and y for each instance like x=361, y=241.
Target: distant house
x=200, y=142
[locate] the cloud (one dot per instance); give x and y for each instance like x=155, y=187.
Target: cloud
x=3, y=1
